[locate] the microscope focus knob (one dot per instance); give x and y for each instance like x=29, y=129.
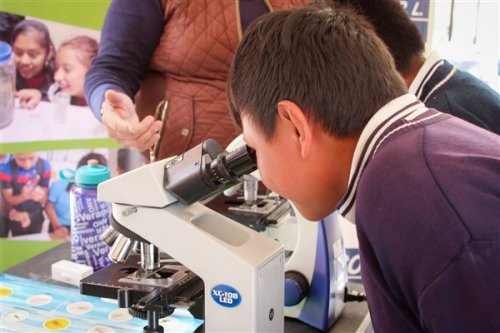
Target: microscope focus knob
x=137, y=311
x=296, y=288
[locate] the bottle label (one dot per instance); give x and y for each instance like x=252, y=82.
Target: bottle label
x=89, y=219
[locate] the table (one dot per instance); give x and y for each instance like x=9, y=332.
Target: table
x=50, y=126
x=354, y=318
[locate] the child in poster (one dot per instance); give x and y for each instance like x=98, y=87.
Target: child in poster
x=25, y=181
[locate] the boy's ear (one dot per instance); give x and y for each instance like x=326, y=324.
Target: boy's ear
x=298, y=124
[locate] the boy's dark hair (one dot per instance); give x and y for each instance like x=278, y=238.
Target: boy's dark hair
x=326, y=60
x=393, y=25
x=92, y=156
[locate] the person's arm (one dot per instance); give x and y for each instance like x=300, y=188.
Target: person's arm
x=41, y=192
x=59, y=230
x=130, y=34
x=465, y=296
x=13, y=200
x=38, y=194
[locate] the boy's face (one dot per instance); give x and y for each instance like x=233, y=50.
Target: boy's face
x=284, y=171
x=311, y=170
x=26, y=160
x=272, y=160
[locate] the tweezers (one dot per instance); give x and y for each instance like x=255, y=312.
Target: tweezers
x=160, y=113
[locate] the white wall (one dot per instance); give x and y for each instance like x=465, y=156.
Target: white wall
x=475, y=40
x=60, y=32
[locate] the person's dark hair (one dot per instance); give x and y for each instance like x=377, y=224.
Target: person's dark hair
x=7, y=23
x=92, y=156
x=393, y=25
x=326, y=60
x=45, y=40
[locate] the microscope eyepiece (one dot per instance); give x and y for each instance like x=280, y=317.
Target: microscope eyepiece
x=231, y=166
x=207, y=169
x=242, y=161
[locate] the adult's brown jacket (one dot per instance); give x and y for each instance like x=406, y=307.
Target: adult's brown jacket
x=191, y=62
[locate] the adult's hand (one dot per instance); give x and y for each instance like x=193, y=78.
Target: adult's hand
x=122, y=123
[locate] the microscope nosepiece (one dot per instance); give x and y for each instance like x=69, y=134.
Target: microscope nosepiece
x=120, y=249
x=109, y=235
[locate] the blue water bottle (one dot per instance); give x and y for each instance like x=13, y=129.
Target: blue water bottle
x=89, y=217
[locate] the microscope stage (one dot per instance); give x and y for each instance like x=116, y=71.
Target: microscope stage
x=129, y=284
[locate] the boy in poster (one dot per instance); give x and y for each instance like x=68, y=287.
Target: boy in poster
x=25, y=181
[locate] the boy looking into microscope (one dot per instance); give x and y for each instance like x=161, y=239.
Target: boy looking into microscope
x=318, y=97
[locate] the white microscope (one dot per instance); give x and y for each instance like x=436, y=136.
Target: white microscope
x=234, y=278
x=231, y=276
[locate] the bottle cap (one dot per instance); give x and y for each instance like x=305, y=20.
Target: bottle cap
x=92, y=174
x=5, y=51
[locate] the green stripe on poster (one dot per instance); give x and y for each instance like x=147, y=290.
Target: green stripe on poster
x=84, y=13
x=29, y=146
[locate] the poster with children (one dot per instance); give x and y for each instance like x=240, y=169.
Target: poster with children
x=50, y=131
x=51, y=60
